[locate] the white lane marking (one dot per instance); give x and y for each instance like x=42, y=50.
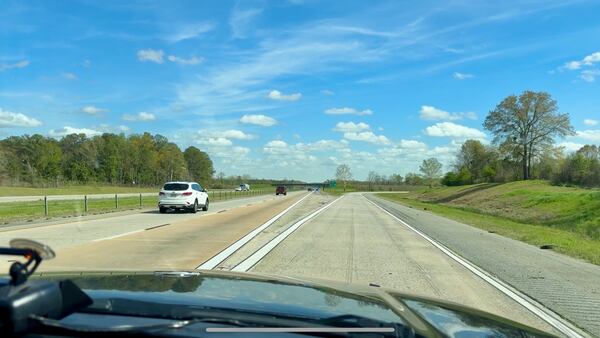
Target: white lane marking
x=117, y=236
x=223, y=255
x=540, y=310
x=259, y=254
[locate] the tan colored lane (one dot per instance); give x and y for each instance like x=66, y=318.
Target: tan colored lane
x=177, y=246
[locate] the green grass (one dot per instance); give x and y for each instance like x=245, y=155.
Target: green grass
x=29, y=211
x=71, y=190
x=339, y=190
x=534, y=212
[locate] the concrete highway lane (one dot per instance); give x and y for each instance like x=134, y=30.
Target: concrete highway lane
x=179, y=245
x=317, y=236
x=568, y=286
x=85, y=230
x=355, y=242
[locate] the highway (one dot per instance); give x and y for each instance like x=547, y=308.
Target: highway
x=357, y=238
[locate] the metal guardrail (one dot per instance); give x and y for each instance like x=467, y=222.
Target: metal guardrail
x=47, y=206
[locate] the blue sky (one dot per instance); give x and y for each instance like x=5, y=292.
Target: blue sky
x=291, y=89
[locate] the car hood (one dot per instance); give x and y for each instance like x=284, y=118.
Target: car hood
x=294, y=297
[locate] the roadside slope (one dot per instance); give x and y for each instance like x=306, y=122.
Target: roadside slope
x=535, y=212
x=566, y=285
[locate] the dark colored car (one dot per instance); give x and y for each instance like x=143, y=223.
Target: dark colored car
x=193, y=303
x=190, y=303
x=281, y=190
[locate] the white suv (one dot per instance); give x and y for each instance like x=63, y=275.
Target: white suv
x=182, y=195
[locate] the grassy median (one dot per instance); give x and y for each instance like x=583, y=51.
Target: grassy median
x=533, y=212
x=72, y=190
x=32, y=210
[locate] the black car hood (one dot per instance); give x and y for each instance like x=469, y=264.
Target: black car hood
x=295, y=297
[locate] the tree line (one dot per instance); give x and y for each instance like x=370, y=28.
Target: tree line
x=525, y=128
x=139, y=159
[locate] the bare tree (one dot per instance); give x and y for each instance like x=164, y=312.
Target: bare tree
x=431, y=169
x=344, y=174
x=372, y=178
x=527, y=124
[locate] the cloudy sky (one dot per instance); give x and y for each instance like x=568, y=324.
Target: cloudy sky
x=290, y=89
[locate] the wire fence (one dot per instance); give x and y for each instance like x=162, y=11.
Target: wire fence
x=46, y=207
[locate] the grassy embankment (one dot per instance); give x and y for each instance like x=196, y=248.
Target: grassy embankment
x=31, y=210
x=535, y=212
x=71, y=190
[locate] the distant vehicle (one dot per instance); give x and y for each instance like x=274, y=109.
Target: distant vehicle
x=243, y=187
x=310, y=189
x=182, y=196
x=281, y=190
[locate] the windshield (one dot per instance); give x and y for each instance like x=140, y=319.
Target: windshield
x=176, y=186
x=441, y=150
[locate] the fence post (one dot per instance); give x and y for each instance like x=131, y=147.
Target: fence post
x=140, y=200
x=45, y=205
x=85, y=204
x=116, y=201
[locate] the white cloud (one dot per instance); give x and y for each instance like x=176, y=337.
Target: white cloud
x=150, y=55
x=366, y=136
x=189, y=31
x=106, y=128
x=10, y=119
x=589, y=75
x=214, y=141
x=232, y=156
x=351, y=127
x=433, y=113
x=590, y=135
x=91, y=110
x=142, y=116
x=228, y=134
x=348, y=111
x=571, y=146
x=69, y=76
x=449, y=129
x=71, y=130
x=590, y=122
x=240, y=20
x=182, y=61
x=462, y=76
x=412, y=144
x=279, y=96
x=20, y=64
x=236, y=83
x=276, y=144
x=261, y=120
x=327, y=92
x=588, y=60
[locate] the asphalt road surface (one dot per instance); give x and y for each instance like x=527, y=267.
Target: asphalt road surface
x=305, y=235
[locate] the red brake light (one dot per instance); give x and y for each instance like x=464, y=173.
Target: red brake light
x=188, y=193
x=161, y=193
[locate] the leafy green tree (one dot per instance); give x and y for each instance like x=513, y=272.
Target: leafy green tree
x=527, y=124
x=199, y=165
x=413, y=179
x=171, y=163
x=431, y=169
